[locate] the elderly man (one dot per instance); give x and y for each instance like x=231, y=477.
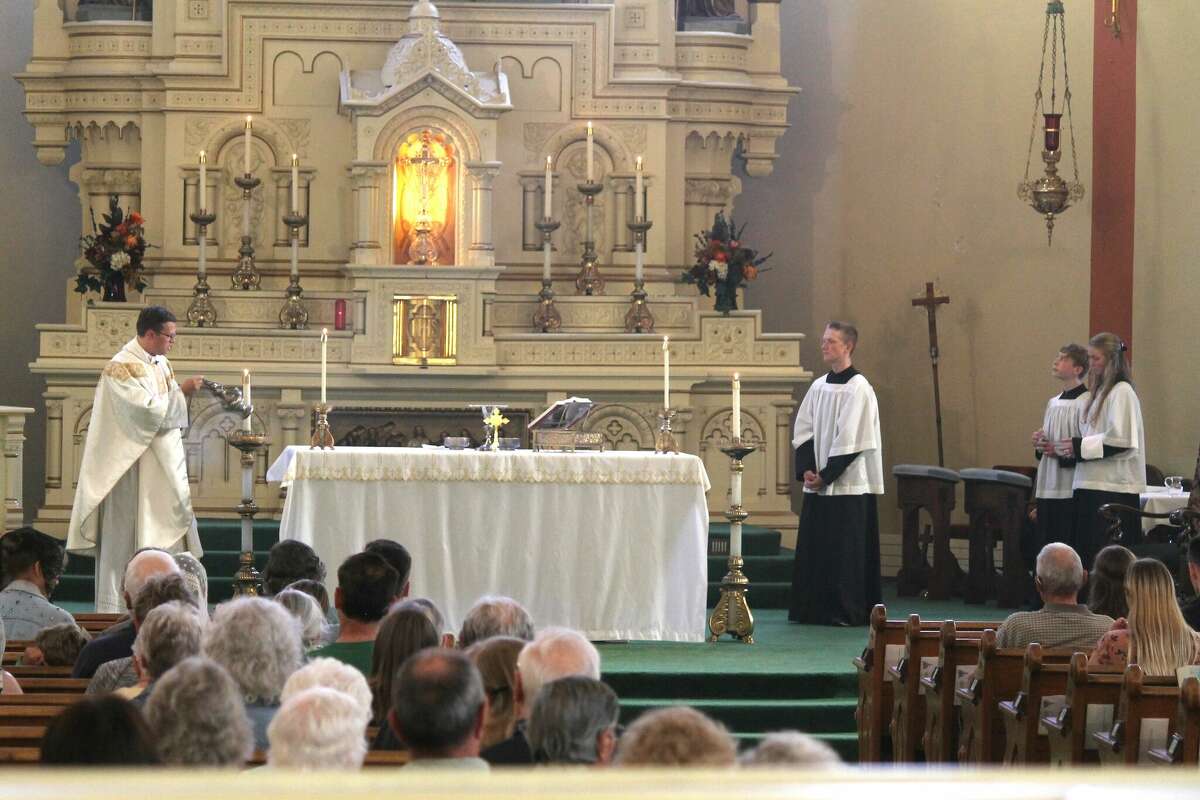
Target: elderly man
x=495, y=616
x=678, y=736
x=117, y=641
x=367, y=585
x=120, y=673
x=318, y=728
x=33, y=563
x=574, y=721
x=258, y=642
x=555, y=653
x=438, y=708
x=197, y=717
x=1062, y=621
x=169, y=633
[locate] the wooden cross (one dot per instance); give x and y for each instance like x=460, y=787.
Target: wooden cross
x=496, y=421
x=931, y=301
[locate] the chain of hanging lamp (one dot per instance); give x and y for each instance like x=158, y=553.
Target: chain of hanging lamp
x=1050, y=194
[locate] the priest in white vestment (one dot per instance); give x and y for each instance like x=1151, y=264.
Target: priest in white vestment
x=839, y=457
x=133, y=486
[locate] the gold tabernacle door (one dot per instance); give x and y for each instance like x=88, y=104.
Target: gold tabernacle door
x=424, y=330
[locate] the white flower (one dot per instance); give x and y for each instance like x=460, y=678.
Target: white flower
x=119, y=260
x=722, y=270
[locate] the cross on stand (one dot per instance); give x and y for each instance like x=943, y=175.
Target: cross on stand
x=496, y=421
x=931, y=301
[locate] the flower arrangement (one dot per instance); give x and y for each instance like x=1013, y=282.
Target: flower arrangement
x=113, y=252
x=723, y=263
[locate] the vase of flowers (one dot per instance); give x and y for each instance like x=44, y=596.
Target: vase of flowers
x=113, y=253
x=723, y=263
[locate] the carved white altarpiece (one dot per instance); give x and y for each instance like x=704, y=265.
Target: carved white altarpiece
x=353, y=87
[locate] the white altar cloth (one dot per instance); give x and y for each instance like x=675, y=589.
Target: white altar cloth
x=612, y=544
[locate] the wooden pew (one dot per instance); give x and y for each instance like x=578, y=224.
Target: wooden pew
x=41, y=699
x=1142, y=700
x=20, y=755
x=375, y=758
x=1023, y=741
x=19, y=716
x=22, y=735
x=875, y=699
x=1087, y=693
x=1184, y=745
x=941, y=718
x=37, y=686
x=21, y=673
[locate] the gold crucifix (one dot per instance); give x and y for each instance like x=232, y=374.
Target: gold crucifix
x=495, y=421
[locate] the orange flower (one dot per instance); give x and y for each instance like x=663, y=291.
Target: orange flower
x=131, y=242
x=135, y=218
x=750, y=272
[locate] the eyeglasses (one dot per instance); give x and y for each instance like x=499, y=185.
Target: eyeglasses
x=169, y=337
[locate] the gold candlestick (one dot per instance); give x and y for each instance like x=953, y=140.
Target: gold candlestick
x=246, y=581
x=546, y=318
x=202, y=313
x=732, y=614
x=589, y=282
x=245, y=275
x=664, y=440
x=322, y=438
x=294, y=315
x=639, y=319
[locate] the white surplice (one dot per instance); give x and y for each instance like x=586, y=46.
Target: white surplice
x=842, y=419
x=133, y=485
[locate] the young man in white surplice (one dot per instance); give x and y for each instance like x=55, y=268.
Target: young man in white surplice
x=1056, y=474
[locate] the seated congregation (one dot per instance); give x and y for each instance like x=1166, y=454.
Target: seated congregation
x=294, y=681
x=1110, y=681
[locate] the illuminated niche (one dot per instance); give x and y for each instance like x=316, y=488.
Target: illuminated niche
x=424, y=200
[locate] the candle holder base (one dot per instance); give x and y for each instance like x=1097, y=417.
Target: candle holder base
x=246, y=276
x=201, y=312
x=664, y=440
x=638, y=318
x=546, y=318
x=293, y=315
x=589, y=282
x=322, y=438
x=732, y=615
x=246, y=580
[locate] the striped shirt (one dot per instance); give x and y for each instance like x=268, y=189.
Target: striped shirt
x=1055, y=625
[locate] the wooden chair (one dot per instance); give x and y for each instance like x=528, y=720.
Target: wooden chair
x=1088, y=693
x=995, y=500
x=1184, y=745
x=1142, y=700
x=955, y=651
x=1024, y=741
x=932, y=488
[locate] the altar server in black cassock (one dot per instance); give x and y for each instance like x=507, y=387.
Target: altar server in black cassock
x=1110, y=448
x=1053, y=487
x=835, y=579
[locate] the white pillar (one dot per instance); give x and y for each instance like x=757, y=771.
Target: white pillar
x=372, y=236
x=483, y=176
x=12, y=433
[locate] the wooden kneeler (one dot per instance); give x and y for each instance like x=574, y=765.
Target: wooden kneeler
x=932, y=488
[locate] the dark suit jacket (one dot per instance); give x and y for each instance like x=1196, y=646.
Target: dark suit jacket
x=513, y=750
x=114, y=643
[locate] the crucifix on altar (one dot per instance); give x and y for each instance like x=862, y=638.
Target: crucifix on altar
x=930, y=301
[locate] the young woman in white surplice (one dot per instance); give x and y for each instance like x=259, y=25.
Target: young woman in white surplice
x=133, y=486
x=835, y=580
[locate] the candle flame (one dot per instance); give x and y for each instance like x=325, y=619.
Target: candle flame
x=639, y=163
x=295, y=160
x=203, y=157
x=589, y=127
x=666, y=341
x=247, y=121
x=549, y=162
x=246, y=374
x=736, y=378
x=324, y=334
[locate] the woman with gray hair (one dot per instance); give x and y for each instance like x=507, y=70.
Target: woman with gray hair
x=574, y=721
x=197, y=716
x=302, y=606
x=196, y=577
x=169, y=634
x=318, y=728
x=258, y=642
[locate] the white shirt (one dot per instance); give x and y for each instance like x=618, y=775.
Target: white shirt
x=1118, y=423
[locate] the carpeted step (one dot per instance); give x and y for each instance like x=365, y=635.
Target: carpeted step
x=226, y=534
x=752, y=715
x=760, y=595
x=759, y=569
x=789, y=685
x=756, y=541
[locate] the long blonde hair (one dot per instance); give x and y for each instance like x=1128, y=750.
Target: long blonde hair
x=1159, y=638
x=1116, y=369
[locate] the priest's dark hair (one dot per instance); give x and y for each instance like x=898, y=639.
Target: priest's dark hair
x=367, y=585
x=20, y=549
x=395, y=554
x=289, y=561
x=849, y=332
x=153, y=318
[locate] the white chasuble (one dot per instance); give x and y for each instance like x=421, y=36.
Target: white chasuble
x=843, y=418
x=133, y=485
x=1118, y=423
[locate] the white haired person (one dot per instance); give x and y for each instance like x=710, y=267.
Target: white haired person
x=1110, y=450
x=258, y=642
x=197, y=716
x=318, y=728
x=494, y=615
x=331, y=674
x=555, y=653
x=307, y=611
x=170, y=633
x=791, y=749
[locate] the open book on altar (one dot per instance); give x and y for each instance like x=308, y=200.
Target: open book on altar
x=563, y=415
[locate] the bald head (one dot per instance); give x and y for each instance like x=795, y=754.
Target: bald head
x=555, y=653
x=1060, y=573
x=144, y=566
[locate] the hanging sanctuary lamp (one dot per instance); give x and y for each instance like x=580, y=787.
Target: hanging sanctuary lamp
x=1050, y=194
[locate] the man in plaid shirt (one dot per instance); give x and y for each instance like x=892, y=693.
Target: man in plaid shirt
x=1062, y=621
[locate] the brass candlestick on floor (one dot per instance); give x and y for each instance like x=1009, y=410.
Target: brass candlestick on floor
x=246, y=581
x=732, y=614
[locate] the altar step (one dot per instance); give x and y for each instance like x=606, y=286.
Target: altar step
x=767, y=565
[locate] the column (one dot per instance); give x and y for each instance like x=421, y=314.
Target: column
x=622, y=193
x=531, y=210
x=783, y=446
x=12, y=428
x=371, y=232
x=54, y=443
x=483, y=176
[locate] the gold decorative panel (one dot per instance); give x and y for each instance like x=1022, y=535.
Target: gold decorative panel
x=425, y=329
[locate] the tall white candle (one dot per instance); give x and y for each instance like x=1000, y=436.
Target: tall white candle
x=295, y=183
x=203, y=182
x=737, y=406
x=324, y=355
x=666, y=372
x=246, y=150
x=246, y=398
x=639, y=192
x=591, y=154
x=546, y=248
x=548, y=208
x=639, y=264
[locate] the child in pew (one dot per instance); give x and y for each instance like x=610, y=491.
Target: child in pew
x=1155, y=635
x=1054, y=515
x=56, y=646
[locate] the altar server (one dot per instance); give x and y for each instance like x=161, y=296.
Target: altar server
x=1056, y=474
x=835, y=579
x=1110, y=447
x=133, y=484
